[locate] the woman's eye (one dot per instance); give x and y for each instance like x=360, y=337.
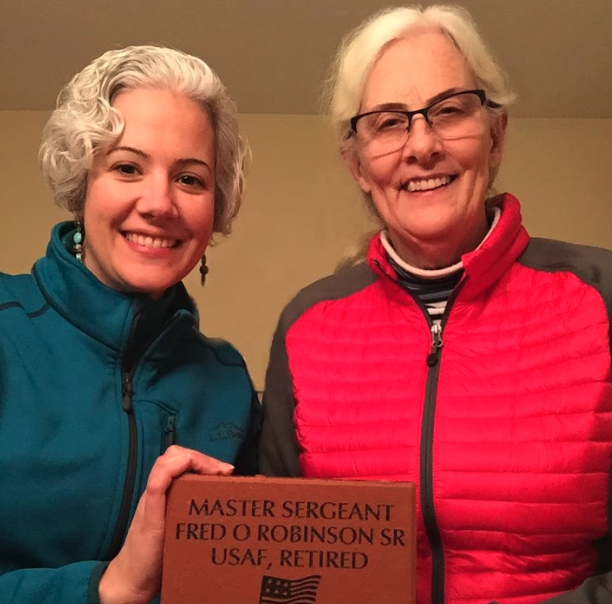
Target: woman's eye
x=126, y=169
x=192, y=181
x=449, y=111
x=390, y=122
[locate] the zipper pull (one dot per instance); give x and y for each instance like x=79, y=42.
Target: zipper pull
x=436, y=344
x=128, y=392
x=170, y=438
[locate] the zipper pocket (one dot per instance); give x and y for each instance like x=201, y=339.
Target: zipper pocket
x=169, y=431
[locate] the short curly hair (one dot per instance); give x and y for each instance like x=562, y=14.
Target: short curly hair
x=85, y=122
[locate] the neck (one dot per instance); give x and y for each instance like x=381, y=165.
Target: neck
x=439, y=252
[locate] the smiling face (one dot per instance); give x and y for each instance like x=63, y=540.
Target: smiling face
x=149, y=205
x=430, y=193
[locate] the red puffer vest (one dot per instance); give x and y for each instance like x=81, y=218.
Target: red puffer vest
x=505, y=425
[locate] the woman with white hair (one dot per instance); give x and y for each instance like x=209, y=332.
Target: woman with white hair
x=108, y=390
x=461, y=354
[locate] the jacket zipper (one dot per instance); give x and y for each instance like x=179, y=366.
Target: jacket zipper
x=127, y=382
x=427, y=438
x=170, y=432
x=427, y=435
x=426, y=466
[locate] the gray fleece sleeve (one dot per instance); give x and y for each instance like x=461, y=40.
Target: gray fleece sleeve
x=278, y=448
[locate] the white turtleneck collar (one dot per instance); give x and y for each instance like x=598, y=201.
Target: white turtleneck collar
x=439, y=272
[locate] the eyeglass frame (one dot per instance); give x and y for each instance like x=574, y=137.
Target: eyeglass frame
x=479, y=92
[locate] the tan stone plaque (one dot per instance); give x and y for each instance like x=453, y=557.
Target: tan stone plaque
x=259, y=540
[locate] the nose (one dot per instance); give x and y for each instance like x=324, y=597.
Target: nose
x=422, y=143
x=157, y=200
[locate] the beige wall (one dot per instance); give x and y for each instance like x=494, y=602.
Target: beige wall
x=27, y=207
x=301, y=211
x=562, y=172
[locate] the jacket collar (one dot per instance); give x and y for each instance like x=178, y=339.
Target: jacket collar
x=492, y=260
x=485, y=265
x=95, y=309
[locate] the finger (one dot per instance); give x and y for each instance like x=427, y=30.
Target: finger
x=174, y=462
x=178, y=461
x=208, y=464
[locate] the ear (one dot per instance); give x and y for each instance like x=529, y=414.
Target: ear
x=352, y=161
x=499, y=125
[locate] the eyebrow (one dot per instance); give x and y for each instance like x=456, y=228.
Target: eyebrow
x=181, y=161
x=430, y=101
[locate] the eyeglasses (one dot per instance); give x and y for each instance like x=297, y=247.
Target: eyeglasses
x=454, y=116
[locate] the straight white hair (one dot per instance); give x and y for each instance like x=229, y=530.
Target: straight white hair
x=360, y=49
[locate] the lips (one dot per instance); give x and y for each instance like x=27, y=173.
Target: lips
x=427, y=184
x=151, y=242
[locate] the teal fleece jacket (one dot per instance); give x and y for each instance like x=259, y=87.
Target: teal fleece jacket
x=94, y=385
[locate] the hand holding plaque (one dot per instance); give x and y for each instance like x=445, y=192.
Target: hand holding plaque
x=134, y=576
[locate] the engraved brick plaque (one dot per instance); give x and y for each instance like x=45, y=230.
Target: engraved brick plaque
x=258, y=540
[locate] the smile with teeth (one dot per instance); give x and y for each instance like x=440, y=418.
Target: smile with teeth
x=427, y=184
x=150, y=242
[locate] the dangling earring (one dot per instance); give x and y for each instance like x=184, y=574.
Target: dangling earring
x=203, y=270
x=77, y=240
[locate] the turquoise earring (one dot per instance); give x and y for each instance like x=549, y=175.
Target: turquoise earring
x=77, y=240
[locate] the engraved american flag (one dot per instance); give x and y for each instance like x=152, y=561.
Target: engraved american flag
x=275, y=590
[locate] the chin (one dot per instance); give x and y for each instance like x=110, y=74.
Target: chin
x=153, y=289
x=426, y=225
